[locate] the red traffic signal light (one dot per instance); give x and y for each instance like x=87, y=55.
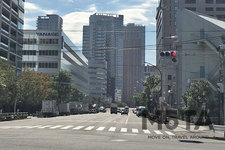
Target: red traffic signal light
x=173, y=53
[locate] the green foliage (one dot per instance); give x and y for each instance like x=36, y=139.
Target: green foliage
x=7, y=86
x=149, y=97
x=32, y=89
x=199, y=92
x=151, y=92
x=62, y=87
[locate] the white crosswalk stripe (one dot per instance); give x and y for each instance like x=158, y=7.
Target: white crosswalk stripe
x=89, y=128
x=66, y=127
x=112, y=129
x=158, y=132
x=100, y=129
x=146, y=131
x=55, y=127
x=5, y=127
x=78, y=128
x=42, y=127
x=135, y=130
x=169, y=133
x=123, y=130
x=32, y=127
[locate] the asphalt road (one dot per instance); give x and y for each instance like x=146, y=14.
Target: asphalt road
x=102, y=131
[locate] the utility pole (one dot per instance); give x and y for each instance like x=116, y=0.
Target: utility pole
x=221, y=49
x=15, y=103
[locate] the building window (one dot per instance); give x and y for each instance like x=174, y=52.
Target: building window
x=220, y=1
x=220, y=16
x=191, y=8
x=30, y=41
x=175, y=8
x=3, y=53
x=190, y=1
x=209, y=9
x=48, y=52
x=209, y=1
x=30, y=52
x=220, y=9
x=49, y=41
x=48, y=65
x=169, y=77
x=202, y=71
x=175, y=1
x=29, y=65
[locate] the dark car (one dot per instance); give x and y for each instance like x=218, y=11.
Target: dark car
x=142, y=111
x=124, y=111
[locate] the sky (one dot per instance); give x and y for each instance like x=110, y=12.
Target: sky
x=75, y=14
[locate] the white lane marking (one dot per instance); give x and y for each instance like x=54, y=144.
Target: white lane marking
x=135, y=130
x=123, y=130
x=5, y=127
x=54, y=127
x=17, y=127
x=66, y=127
x=100, y=128
x=146, y=131
x=78, y=127
x=42, y=127
x=31, y=127
x=127, y=120
x=89, y=128
x=169, y=133
x=112, y=129
x=158, y=132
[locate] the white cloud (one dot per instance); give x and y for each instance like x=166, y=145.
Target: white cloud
x=73, y=23
x=32, y=11
x=140, y=14
x=33, y=8
x=28, y=23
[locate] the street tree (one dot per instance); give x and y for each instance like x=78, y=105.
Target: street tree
x=201, y=96
x=151, y=92
x=62, y=87
x=33, y=88
x=7, y=86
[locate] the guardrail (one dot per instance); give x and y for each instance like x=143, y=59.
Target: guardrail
x=13, y=116
x=219, y=128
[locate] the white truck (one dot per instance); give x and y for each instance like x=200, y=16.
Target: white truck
x=49, y=108
x=64, y=109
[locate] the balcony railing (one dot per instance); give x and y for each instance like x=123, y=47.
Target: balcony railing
x=13, y=23
x=7, y=5
x=5, y=31
x=6, y=45
x=14, y=11
x=5, y=17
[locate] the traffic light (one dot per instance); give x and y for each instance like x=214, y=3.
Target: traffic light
x=169, y=54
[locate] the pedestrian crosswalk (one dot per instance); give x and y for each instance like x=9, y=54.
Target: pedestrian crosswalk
x=92, y=128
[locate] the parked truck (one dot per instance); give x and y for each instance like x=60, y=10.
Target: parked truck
x=113, y=108
x=49, y=108
x=64, y=109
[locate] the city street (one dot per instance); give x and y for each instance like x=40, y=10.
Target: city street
x=101, y=131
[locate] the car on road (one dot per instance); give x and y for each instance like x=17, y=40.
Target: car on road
x=142, y=111
x=124, y=111
x=102, y=109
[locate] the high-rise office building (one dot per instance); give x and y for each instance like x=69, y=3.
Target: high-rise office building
x=133, y=61
x=49, y=22
x=11, y=34
x=102, y=45
x=166, y=29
